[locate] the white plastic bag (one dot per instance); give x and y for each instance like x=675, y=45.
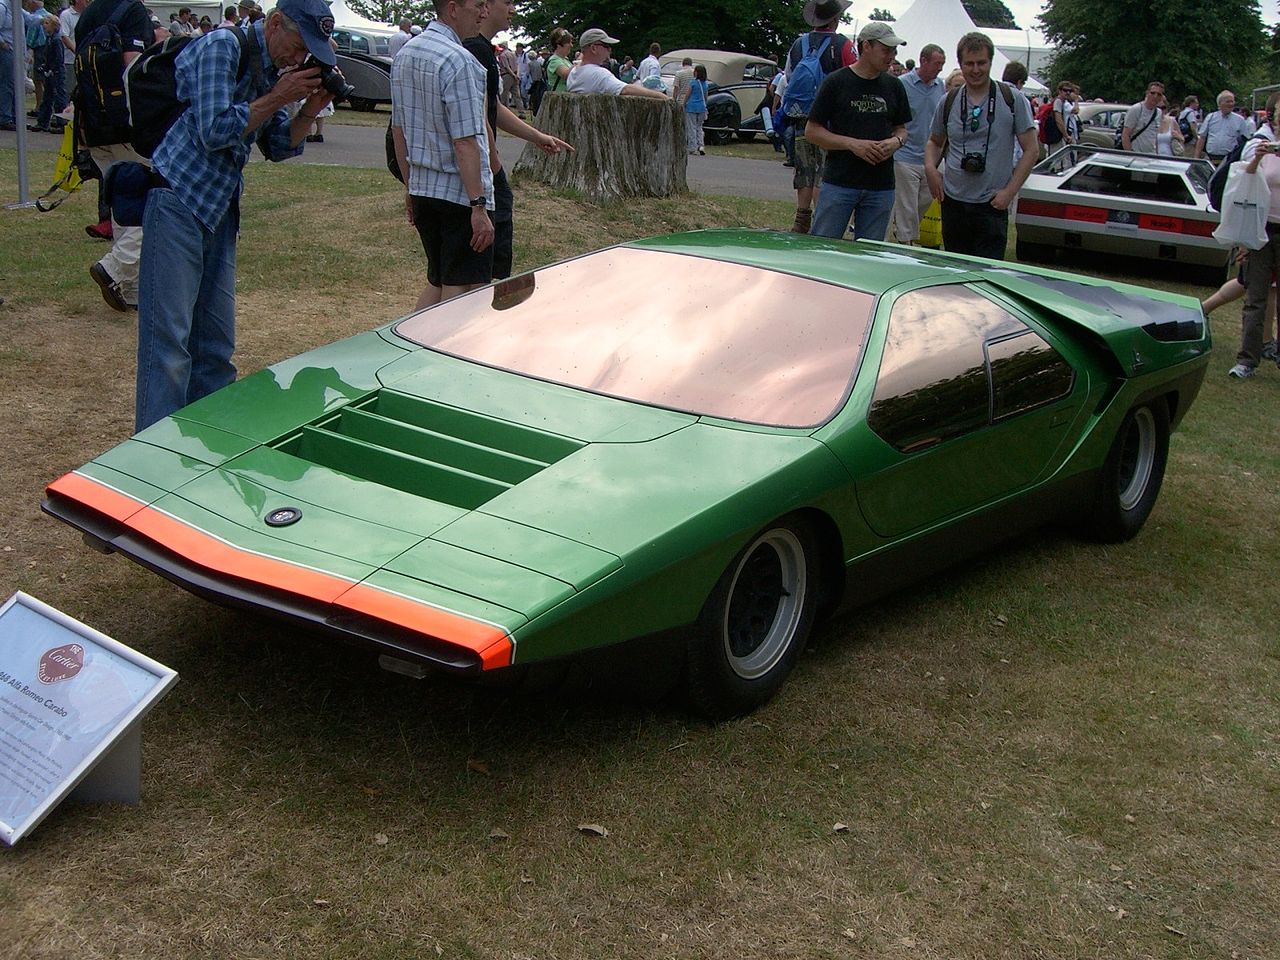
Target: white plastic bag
x=1246, y=201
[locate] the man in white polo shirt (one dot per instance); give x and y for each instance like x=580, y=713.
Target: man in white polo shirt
x=591, y=76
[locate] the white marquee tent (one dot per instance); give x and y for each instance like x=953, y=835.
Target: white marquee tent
x=344, y=16
x=944, y=22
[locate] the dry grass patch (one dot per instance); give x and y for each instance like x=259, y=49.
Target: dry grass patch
x=1060, y=750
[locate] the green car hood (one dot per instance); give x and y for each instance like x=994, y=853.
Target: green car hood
x=464, y=501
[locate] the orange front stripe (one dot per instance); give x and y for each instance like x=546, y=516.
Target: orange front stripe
x=76, y=486
x=490, y=642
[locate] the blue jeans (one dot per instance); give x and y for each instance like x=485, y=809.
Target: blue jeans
x=186, y=307
x=870, y=210
x=6, y=86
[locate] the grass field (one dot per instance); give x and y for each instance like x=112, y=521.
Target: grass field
x=1061, y=750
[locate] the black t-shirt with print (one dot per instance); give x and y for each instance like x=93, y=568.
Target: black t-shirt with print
x=863, y=109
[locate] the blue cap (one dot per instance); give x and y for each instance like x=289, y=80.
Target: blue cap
x=315, y=23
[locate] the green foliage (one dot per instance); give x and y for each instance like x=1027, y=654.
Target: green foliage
x=1113, y=48
x=878, y=14
x=991, y=13
x=391, y=11
x=761, y=27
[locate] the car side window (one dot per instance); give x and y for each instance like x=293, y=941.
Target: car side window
x=759, y=71
x=1025, y=372
x=342, y=39
x=954, y=362
x=359, y=44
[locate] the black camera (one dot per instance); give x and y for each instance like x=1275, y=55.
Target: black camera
x=973, y=162
x=331, y=78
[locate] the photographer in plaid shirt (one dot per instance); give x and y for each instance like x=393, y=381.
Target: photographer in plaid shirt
x=186, y=281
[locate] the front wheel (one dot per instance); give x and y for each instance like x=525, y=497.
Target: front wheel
x=1132, y=474
x=755, y=622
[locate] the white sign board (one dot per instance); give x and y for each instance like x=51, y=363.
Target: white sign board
x=68, y=695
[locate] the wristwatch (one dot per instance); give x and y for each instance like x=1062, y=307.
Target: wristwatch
x=479, y=201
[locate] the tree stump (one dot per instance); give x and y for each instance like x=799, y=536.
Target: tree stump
x=624, y=146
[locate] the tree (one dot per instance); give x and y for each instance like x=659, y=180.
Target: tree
x=1113, y=48
x=884, y=15
x=761, y=27
x=990, y=13
x=392, y=11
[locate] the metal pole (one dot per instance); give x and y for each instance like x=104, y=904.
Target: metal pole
x=20, y=100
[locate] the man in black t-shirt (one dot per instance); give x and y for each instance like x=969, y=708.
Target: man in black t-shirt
x=500, y=117
x=859, y=118
x=116, y=274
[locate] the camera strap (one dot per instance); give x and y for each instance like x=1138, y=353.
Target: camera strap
x=964, y=120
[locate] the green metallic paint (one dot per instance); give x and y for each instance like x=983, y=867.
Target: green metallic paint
x=573, y=520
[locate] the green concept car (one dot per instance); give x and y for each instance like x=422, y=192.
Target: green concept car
x=711, y=438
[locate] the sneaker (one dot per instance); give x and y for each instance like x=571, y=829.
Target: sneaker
x=100, y=231
x=110, y=289
x=1269, y=351
x=315, y=138
x=1240, y=372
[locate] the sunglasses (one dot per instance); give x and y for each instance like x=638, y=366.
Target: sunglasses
x=975, y=116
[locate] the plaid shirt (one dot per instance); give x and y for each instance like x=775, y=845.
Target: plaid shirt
x=204, y=152
x=437, y=97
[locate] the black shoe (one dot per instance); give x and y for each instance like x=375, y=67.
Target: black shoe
x=8, y=126
x=36, y=128
x=110, y=289
x=315, y=138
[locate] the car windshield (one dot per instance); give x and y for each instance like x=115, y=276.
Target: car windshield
x=697, y=335
x=1137, y=184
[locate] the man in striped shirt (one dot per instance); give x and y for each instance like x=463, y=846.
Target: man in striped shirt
x=442, y=146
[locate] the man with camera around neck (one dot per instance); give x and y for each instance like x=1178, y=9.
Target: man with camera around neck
x=975, y=130
x=186, y=282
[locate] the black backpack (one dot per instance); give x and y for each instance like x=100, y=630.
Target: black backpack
x=151, y=86
x=1218, y=182
x=99, y=95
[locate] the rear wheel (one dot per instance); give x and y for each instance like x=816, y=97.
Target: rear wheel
x=755, y=623
x=1132, y=474
x=718, y=138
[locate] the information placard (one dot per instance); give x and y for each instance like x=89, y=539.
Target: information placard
x=68, y=695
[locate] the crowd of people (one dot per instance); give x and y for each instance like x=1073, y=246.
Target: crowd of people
x=872, y=141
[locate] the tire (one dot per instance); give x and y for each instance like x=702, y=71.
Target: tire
x=362, y=104
x=1132, y=474
x=755, y=623
x=1033, y=252
x=718, y=138
x=746, y=136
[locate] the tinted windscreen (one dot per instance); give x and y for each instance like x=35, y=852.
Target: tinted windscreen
x=1139, y=184
x=697, y=335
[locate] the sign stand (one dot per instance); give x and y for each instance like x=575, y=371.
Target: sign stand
x=71, y=707
x=118, y=776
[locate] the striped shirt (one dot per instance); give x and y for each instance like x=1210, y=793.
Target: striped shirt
x=204, y=152
x=437, y=97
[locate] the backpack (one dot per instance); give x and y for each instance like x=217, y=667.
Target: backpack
x=805, y=77
x=1184, y=124
x=1218, y=181
x=1049, y=133
x=99, y=91
x=151, y=86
